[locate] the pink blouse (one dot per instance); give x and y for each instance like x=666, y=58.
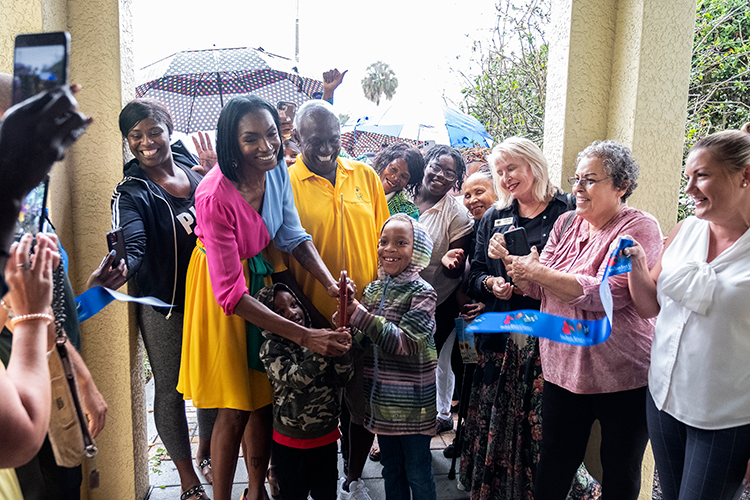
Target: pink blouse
x=231, y=230
x=621, y=362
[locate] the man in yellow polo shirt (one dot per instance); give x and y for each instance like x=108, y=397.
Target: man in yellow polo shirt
x=319, y=178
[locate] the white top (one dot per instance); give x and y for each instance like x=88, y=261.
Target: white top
x=700, y=358
x=447, y=221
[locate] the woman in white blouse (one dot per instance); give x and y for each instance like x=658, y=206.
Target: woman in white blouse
x=699, y=381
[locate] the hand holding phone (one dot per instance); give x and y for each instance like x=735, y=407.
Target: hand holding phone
x=516, y=242
x=40, y=62
x=116, y=243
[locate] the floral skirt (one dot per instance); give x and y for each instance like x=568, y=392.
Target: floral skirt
x=503, y=429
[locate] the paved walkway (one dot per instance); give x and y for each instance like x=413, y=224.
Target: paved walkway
x=165, y=482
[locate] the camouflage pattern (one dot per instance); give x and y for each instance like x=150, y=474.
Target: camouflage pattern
x=305, y=384
x=305, y=396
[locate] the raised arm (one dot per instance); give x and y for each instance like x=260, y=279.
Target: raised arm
x=33, y=135
x=25, y=387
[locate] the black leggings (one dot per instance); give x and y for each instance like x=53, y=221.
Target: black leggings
x=162, y=338
x=566, y=426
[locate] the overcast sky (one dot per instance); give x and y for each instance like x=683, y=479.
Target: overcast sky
x=422, y=41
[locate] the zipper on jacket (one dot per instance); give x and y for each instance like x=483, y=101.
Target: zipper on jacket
x=375, y=353
x=174, y=235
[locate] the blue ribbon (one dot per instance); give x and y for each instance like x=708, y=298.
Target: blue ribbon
x=97, y=298
x=580, y=332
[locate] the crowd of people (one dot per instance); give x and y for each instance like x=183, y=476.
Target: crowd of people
x=247, y=242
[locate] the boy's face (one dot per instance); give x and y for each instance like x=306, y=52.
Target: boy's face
x=396, y=246
x=286, y=305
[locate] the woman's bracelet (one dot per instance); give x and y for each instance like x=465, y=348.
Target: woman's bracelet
x=32, y=317
x=484, y=284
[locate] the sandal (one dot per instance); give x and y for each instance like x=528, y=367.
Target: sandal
x=273, y=481
x=205, y=467
x=196, y=492
x=375, y=454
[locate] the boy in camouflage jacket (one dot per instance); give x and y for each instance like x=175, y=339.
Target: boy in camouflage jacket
x=306, y=405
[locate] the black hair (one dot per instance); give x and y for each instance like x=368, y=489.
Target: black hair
x=138, y=110
x=436, y=152
x=411, y=155
x=227, y=146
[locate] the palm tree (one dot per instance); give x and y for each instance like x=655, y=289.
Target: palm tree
x=380, y=79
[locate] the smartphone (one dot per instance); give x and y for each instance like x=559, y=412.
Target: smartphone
x=32, y=217
x=516, y=242
x=116, y=242
x=40, y=62
x=288, y=108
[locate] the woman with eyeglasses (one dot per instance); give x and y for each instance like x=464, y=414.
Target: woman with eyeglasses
x=448, y=223
x=504, y=418
x=605, y=382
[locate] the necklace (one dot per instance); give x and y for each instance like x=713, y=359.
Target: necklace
x=533, y=213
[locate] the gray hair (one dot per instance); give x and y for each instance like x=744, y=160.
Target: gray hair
x=309, y=107
x=618, y=162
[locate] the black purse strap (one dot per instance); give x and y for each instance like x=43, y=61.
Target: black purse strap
x=61, y=344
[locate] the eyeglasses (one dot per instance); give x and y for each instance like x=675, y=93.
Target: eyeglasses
x=585, y=182
x=435, y=168
x=288, y=108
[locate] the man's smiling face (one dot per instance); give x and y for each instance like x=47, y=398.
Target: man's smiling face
x=320, y=134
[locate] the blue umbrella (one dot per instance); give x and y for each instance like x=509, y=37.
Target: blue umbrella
x=441, y=124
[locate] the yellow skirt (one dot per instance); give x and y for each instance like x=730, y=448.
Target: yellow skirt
x=213, y=369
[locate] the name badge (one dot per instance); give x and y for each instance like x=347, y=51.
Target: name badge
x=504, y=222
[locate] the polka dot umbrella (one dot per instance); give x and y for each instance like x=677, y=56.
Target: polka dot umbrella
x=357, y=143
x=195, y=84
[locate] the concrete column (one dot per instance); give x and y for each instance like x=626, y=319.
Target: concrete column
x=102, y=62
x=620, y=69
x=81, y=187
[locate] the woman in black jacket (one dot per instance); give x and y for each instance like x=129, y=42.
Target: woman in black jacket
x=154, y=204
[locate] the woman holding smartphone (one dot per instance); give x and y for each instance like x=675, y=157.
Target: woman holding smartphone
x=154, y=205
x=503, y=424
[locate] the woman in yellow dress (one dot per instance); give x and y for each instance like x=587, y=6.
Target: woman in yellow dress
x=239, y=208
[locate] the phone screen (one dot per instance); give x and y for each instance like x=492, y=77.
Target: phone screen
x=40, y=62
x=31, y=218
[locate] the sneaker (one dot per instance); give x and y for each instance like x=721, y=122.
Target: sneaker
x=444, y=424
x=449, y=451
x=357, y=490
x=341, y=494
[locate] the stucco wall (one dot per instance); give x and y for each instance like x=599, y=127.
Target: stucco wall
x=619, y=69
x=661, y=83
x=102, y=36
x=578, y=81
x=101, y=61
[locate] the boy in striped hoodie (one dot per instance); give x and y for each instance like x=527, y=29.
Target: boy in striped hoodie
x=395, y=323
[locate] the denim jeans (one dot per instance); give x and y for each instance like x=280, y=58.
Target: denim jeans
x=407, y=463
